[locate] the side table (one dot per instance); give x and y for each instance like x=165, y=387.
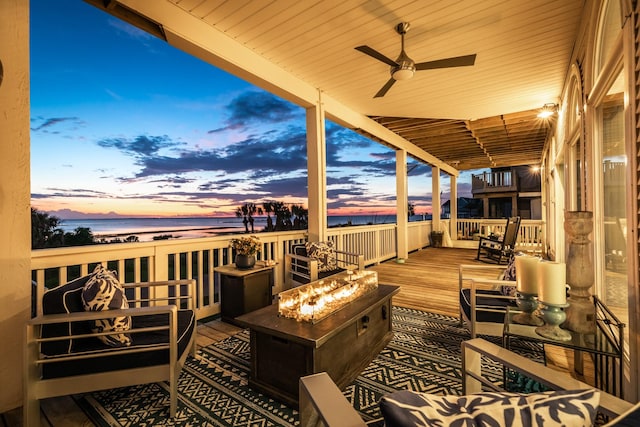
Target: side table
x=606, y=345
x=243, y=291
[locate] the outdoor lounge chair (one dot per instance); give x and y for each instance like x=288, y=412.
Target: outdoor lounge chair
x=308, y=262
x=65, y=356
x=484, y=301
x=498, y=248
x=323, y=404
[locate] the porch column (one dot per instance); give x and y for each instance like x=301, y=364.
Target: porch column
x=485, y=207
x=402, y=202
x=453, y=205
x=15, y=197
x=514, y=205
x=317, y=173
x=435, y=198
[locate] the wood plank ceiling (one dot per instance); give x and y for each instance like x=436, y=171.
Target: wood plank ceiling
x=470, y=117
x=506, y=140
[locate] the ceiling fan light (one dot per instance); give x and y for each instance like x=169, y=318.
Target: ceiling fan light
x=403, y=73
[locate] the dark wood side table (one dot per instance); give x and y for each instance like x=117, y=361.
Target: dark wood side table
x=243, y=291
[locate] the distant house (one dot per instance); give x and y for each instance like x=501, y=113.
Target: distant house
x=467, y=208
x=504, y=192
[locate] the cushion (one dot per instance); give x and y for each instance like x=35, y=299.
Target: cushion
x=103, y=292
x=485, y=299
x=565, y=407
x=107, y=359
x=510, y=274
x=324, y=253
x=59, y=300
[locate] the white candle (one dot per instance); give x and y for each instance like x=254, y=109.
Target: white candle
x=552, y=282
x=527, y=274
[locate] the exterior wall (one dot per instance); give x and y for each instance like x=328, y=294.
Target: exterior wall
x=578, y=188
x=15, y=217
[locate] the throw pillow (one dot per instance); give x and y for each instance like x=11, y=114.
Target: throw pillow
x=103, y=292
x=565, y=407
x=510, y=274
x=324, y=253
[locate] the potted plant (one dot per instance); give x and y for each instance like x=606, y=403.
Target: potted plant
x=246, y=249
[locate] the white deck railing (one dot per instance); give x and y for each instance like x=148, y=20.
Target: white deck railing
x=199, y=258
x=530, y=235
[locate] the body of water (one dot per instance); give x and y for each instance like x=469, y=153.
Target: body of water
x=147, y=228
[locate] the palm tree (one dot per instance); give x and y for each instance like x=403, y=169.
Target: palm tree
x=268, y=209
x=252, y=209
x=301, y=216
x=283, y=216
x=241, y=212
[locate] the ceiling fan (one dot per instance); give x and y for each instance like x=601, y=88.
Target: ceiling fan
x=403, y=68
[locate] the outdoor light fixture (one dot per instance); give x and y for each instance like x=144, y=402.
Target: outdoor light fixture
x=547, y=110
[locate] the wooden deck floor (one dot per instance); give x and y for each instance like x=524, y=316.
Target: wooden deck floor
x=428, y=280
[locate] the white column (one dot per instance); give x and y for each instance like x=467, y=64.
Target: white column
x=317, y=172
x=15, y=194
x=453, y=205
x=402, y=201
x=435, y=198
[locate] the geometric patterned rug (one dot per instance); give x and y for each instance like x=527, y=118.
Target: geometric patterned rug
x=424, y=355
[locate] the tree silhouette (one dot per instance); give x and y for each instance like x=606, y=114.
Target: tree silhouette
x=267, y=207
x=247, y=212
x=300, y=217
x=411, y=209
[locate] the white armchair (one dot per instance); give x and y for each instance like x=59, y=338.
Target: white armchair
x=322, y=403
x=484, y=300
x=63, y=354
x=302, y=267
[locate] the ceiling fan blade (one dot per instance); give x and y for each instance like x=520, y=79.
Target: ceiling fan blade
x=377, y=55
x=457, y=61
x=385, y=88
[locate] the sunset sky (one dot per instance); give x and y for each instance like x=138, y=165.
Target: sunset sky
x=122, y=124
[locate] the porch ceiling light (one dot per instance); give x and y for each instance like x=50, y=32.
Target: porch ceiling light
x=548, y=110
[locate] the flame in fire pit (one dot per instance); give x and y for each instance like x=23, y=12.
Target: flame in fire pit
x=317, y=300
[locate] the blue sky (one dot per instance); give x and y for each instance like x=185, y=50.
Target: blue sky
x=124, y=124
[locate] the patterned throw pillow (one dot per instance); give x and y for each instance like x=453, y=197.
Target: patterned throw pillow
x=324, y=253
x=104, y=292
x=567, y=408
x=509, y=274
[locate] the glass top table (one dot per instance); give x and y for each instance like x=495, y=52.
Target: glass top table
x=606, y=345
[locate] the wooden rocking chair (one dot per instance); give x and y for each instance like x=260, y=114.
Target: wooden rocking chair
x=499, y=249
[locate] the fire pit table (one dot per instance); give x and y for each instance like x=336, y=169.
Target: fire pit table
x=342, y=343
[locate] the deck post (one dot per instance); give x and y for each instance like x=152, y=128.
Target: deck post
x=435, y=198
x=317, y=172
x=402, y=200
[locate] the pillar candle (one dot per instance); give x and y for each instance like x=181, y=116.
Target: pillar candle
x=552, y=282
x=527, y=274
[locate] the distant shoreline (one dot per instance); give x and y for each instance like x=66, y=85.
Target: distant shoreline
x=177, y=230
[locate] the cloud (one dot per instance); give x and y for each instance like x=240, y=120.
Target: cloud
x=45, y=124
x=140, y=146
x=257, y=107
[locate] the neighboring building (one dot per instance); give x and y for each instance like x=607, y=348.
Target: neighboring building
x=506, y=192
x=467, y=208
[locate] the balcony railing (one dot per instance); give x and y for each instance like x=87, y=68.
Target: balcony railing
x=494, y=181
x=199, y=258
